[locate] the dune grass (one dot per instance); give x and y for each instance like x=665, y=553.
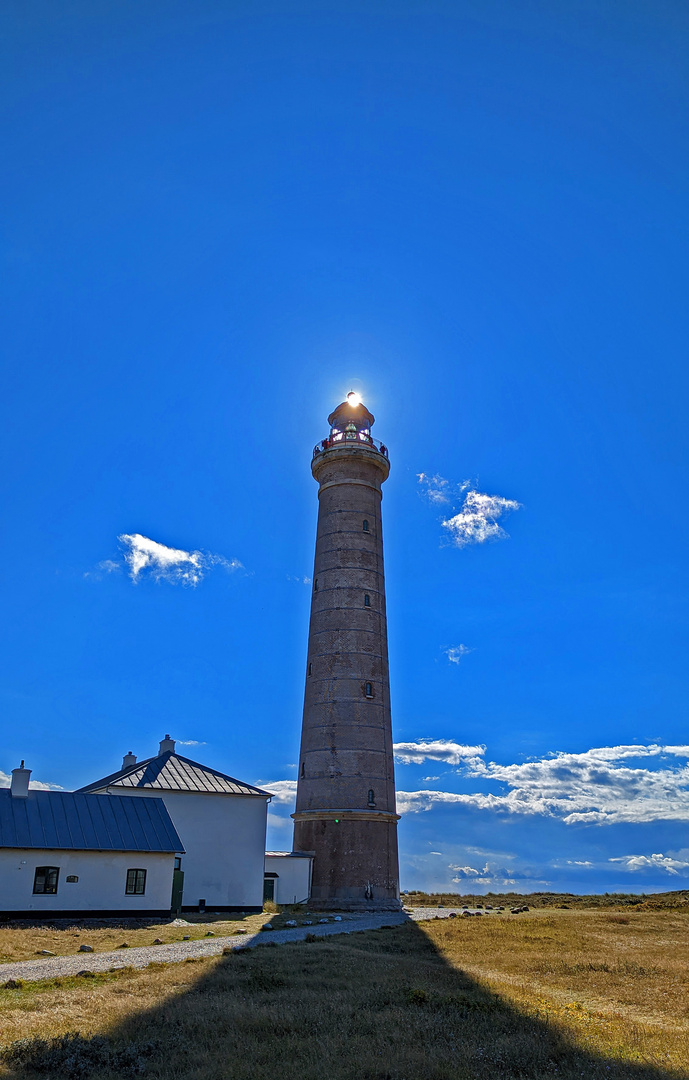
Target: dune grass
x=564, y=994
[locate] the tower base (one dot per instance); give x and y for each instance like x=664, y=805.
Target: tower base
x=364, y=907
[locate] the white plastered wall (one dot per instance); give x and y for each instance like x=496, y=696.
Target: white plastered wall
x=102, y=880
x=224, y=838
x=293, y=883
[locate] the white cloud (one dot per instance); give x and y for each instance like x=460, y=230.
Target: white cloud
x=455, y=653
x=477, y=520
x=465, y=872
x=597, y=786
x=190, y=742
x=440, y=491
x=429, y=779
x=35, y=785
x=638, y=863
x=415, y=753
x=300, y=580
x=144, y=556
x=284, y=791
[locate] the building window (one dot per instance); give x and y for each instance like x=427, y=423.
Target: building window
x=365, y=525
x=369, y=689
x=310, y=668
x=178, y=862
x=315, y=585
x=371, y=797
x=303, y=770
x=367, y=600
x=45, y=880
x=136, y=883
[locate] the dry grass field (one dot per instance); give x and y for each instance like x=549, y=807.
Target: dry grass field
x=23, y=941
x=553, y=993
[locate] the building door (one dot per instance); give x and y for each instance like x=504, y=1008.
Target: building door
x=177, y=890
x=269, y=887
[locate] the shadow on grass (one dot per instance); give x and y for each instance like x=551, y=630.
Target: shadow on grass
x=378, y=1005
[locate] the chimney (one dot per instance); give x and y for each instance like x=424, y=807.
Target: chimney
x=128, y=759
x=20, y=782
x=167, y=744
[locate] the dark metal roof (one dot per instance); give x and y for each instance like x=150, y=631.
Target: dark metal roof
x=171, y=772
x=288, y=855
x=80, y=822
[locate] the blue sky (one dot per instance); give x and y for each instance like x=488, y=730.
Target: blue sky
x=219, y=217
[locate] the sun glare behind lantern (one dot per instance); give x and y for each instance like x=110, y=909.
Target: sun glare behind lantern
x=353, y=398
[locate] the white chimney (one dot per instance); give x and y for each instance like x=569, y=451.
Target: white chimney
x=20, y=782
x=128, y=759
x=167, y=744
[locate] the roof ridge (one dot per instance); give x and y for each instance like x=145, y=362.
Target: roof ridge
x=156, y=767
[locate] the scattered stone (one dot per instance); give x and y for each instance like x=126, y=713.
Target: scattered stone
x=179, y=922
x=13, y=984
x=229, y=950
x=242, y=930
x=85, y=948
x=337, y=918
x=116, y=967
x=186, y=937
x=124, y=945
x=157, y=941
x=86, y=974
x=453, y=915
x=324, y=920
x=267, y=926
x=441, y=905
x=210, y=933
x=307, y=922
x=466, y=914
x=290, y=922
x=45, y=952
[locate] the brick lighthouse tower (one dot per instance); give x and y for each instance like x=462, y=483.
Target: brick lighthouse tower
x=346, y=790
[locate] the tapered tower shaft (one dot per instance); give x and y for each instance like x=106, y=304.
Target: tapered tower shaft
x=346, y=810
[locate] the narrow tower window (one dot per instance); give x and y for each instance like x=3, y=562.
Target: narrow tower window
x=369, y=689
x=367, y=600
x=371, y=797
x=315, y=585
x=310, y=668
x=303, y=770
x=365, y=525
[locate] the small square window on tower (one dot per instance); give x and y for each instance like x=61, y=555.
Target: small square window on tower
x=367, y=600
x=369, y=689
x=365, y=525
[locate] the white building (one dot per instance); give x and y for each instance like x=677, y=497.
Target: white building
x=69, y=854
x=222, y=822
x=288, y=877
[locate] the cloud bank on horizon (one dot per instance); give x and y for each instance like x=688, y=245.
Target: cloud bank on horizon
x=596, y=787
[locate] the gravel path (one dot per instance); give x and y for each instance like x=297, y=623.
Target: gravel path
x=51, y=967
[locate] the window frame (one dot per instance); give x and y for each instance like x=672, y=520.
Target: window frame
x=368, y=689
x=134, y=890
x=365, y=526
x=367, y=600
x=47, y=871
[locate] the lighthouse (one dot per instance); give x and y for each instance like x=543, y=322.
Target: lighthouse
x=345, y=813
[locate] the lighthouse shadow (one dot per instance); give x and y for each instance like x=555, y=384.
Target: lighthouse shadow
x=376, y=1005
